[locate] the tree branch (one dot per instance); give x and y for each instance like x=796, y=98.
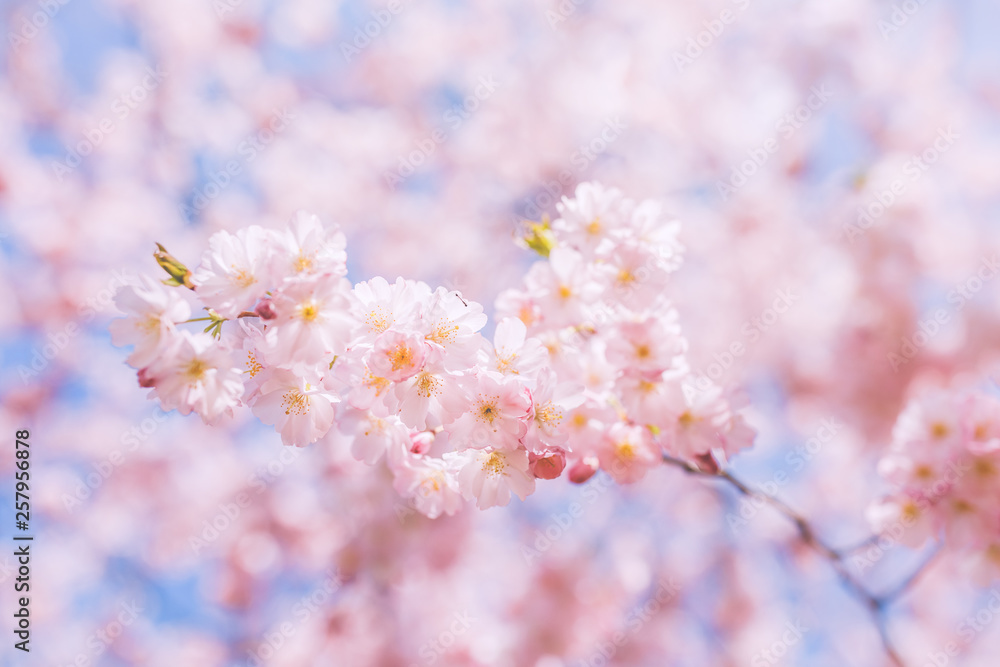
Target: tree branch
x=875, y=604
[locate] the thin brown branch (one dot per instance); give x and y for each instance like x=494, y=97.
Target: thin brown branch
x=875, y=604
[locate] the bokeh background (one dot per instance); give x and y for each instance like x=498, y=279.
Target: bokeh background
x=839, y=155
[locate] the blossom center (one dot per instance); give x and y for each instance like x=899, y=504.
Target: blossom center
x=443, y=333
x=377, y=319
x=253, y=366
x=427, y=385
x=295, y=402
x=550, y=415
x=243, y=278
x=150, y=324
x=488, y=410
x=401, y=357
x=939, y=430
x=495, y=464
x=687, y=419
x=625, y=450
x=505, y=364
x=303, y=263
x=309, y=312
x=196, y=369
x=376, y=382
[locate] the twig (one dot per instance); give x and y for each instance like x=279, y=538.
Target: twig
x=875, y=604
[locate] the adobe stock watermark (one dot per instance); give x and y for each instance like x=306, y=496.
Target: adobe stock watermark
x=372, y=29
x=279, y=635
x=230, y=512
x=431, y=651
x=635, y=620
x=102, y=470
x=776, y=652
x=534, y=207
x=929, y=327
x=752, y=331
x=101, y=640
x=562, y=12
x=223, y=7
x=899, y=17
x=967, y=630
x=786, y=126
x=750, y=506
x=426, y=146
x=56, y=342
x=38, y=21
x=698, y=44
x=560, y=523
x=121, y=108
x=913, y=170
x=253, y=145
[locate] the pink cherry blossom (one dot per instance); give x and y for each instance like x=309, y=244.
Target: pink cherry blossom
x=195, y=374
x=490, y=476
x=301, y=411
x=234, y=270
x=486, y=410
x=151, y=314
x=397, y=356
x=311, y=323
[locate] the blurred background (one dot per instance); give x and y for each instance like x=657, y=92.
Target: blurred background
x=835, y=169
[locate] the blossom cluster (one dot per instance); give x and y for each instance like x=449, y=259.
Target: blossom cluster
x=586, y=366
x=944, y=464
x=600, y=305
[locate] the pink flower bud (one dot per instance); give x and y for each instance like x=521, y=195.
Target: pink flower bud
x=421, y=442
x=549, y=466
x=145, y=380
x=583, y=470
x=707, y=463
x=265, y=309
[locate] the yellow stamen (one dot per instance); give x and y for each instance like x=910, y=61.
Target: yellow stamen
x=309, y=312
x=378, y=320
x=443, y=333
x=401, y=357
x=242, y=278
x=196, y=369
x=495, y=464
x=505, y=364
x=428, y=385
x=253, y=366
x=548, y=415
x=488, y=411
x=371, y=380
x=303, y=263
x=625, y=451
x=294, y=401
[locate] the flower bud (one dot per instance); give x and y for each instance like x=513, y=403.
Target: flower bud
x=145, y=380
x=549, y=466
x=707, y=463
x=538, y=237
x=265, y=309
x=420, y=443
x=583, y=470
x=179, y=274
